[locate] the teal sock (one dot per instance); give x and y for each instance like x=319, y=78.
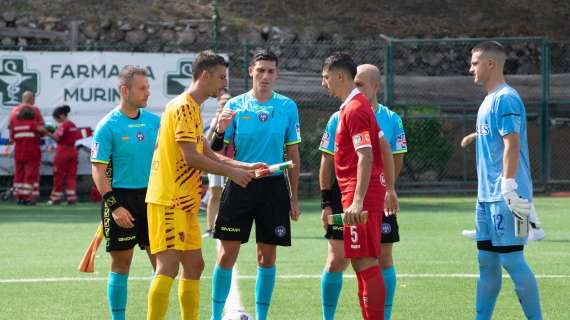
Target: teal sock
x=525, y=283
x=117, y=294
x=488, y=284
x=331, y=285
x=221, y=283
x=389, y=275
x=263, y=290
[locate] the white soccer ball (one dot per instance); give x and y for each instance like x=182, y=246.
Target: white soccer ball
x=237, y=315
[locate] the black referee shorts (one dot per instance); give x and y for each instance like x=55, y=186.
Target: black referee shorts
x=265, y=201
x=334, y=232
x=119, y=238
x=390, y=232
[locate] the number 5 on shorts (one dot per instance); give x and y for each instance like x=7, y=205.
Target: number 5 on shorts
x=354, y=234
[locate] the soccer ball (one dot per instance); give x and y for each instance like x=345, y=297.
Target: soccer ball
x=237, y=315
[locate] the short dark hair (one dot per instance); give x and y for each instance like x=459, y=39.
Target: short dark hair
x=489, y=46
x=264, y=55
x=205, y=61
x=340, y=61
x=61, y=110
x=127, y=74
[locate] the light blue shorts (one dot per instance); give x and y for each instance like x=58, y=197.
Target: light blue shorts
x=494, y=221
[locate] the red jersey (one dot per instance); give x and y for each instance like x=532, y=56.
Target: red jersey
x=27, y=139
x=38, y=114
x=357, y=128
x=67, y=133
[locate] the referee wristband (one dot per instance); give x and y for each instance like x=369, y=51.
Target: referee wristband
x=110, y=201
x=326, y=198
x=217, y=143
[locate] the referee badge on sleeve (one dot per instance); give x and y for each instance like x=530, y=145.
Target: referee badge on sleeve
x=325, y=140
x=94, y=149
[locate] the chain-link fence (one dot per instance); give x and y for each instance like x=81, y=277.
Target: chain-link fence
x=428, y=83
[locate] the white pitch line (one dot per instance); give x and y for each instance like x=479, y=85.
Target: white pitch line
x=285, y=277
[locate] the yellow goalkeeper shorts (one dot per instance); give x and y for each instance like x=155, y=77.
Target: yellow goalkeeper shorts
x=172, y=228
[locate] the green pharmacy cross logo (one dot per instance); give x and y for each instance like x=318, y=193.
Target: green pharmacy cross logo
x=177, y=82
x=15, y=79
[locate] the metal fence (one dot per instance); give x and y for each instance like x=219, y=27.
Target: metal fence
x=427, y=82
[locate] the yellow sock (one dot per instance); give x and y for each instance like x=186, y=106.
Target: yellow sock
x=189, y=298
x=158, y=297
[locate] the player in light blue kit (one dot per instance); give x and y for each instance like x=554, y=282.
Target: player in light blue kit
x=504, y=186
x=368, y=82
x=264, y=126
x=123, y=145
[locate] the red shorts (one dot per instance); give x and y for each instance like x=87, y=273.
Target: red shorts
x=363, y=240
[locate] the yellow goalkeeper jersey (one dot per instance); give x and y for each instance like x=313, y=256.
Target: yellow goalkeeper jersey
x=172, y=182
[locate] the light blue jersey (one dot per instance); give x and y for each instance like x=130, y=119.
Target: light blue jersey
x=389, y=122
x=501, y=113
x=128, y=144
x=327, y=141
x=391, y=125
x=260, y=131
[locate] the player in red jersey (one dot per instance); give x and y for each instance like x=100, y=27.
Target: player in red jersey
x=65, y=161
x=364, y=184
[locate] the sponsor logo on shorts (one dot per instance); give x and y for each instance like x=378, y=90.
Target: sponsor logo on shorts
x=280, y=231
x=123, y=239
x=140, y=136
x=337, y=228
x=386, y=228
x=230, y=229
x=263, y=116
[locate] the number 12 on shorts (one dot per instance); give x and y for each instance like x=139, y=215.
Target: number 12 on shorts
x=499, y=229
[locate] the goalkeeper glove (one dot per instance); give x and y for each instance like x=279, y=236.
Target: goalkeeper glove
x=520, y=207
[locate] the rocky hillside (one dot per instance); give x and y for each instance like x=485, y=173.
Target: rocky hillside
x=156, y=22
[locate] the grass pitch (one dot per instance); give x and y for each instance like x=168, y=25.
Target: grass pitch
x=437, y=270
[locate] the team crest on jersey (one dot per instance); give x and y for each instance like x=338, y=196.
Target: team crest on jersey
x=382, y=179
x=325, y=140
x=401, y=142
x=483, y=129
x=140, y=136
x=263, y=116
x=94, y=150
x=280, y=231
x=386, y=228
